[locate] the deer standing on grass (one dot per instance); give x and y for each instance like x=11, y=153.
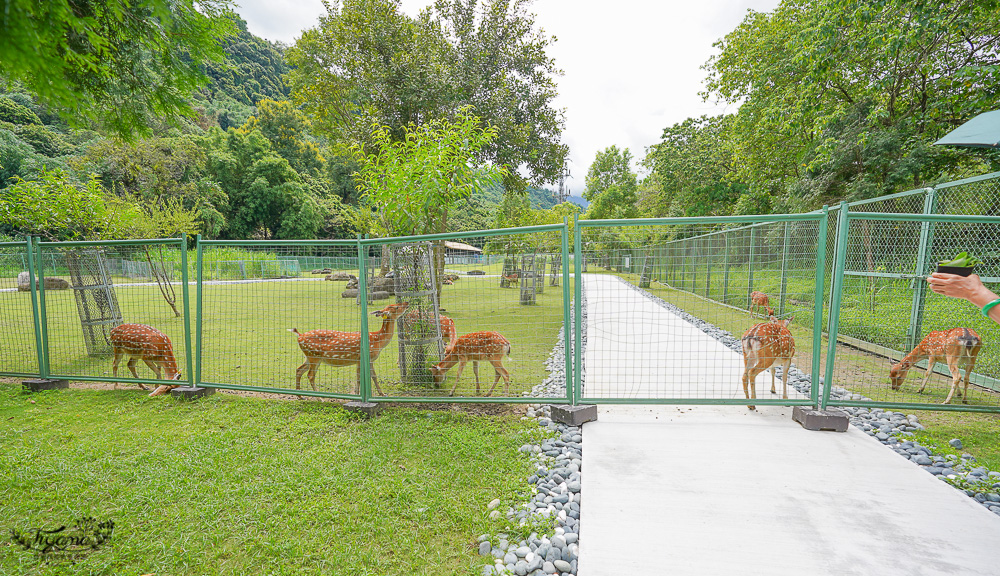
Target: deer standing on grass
x=447, y=325
x=759, y=301
x=763, y=345
x=954, y=345
x=141, y=342
x=477, y=346
x=344, y=348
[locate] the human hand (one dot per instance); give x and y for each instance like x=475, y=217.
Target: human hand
x=970, y=287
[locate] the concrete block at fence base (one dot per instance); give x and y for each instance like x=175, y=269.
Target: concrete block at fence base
x=191, y=392
x=367, y=408
x=40, y=384
x=574, y=415
x=831, y=420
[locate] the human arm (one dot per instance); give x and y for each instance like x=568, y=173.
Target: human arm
x=970, y=288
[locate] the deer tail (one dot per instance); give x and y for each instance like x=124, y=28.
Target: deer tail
x=293, y=330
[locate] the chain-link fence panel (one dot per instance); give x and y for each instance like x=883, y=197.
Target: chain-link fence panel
x=478, y=324
x=892, y=323
x=18, y=341
x=280, y=316
x=668, y=304
x=115, y=306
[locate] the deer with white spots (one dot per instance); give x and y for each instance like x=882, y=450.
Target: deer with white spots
x=763, y=345
x=344, y=348
x=760, y=301
x=955, y=345
x=477, y=346
x=141, y=342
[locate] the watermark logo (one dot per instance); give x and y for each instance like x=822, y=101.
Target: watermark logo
x=86, y=534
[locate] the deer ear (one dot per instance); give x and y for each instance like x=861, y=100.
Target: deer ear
x=787, y=321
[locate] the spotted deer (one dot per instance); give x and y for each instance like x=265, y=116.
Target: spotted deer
x=447, y=325
x=142, y=342
x=759, y=301
x=477, y=346
x=955, y=345
x=344, y=348
x=763, y=345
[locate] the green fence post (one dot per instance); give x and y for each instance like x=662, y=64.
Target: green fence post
x=199, y=280
x=577, y=311
x=838, y=287
x=725, y=274
x=685, y=253
x=818, y=307
x=567, y=314
x=784, y=271
x=43, y=317
x=753, y=229
x=365, y=373
x=708, y=270
x=187, y=310
x=923, y=257
x=36, y=319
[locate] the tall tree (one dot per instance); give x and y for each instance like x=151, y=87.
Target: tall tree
x=612, y=185
x=367, y=61
x=842, y=98
x=115, y=62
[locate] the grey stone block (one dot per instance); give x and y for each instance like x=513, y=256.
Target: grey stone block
x=367, y=408
x=574, y=415
x=831, y=420
x=39, y=384
x=191, y=392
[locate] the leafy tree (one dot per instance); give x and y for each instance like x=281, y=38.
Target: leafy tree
x=411, y=184
x=15, y=113
x=841, y=98
x=612, y=186
x=287, y=128
x=116, y=62
x=367, y=62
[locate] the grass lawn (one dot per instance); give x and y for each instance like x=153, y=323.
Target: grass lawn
x=240, y=485
x=246, y=339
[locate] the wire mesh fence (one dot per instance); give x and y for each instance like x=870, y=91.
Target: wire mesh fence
x=476, y=299
x=18, y=351
x=893, y=323
x=272, y=316
x=86, y=293
x=668, y=302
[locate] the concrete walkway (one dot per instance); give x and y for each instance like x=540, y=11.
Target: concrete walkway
x=707, y=490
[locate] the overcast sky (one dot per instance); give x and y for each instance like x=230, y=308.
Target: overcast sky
x=632, y=67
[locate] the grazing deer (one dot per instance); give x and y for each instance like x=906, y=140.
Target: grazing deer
x=344, y=348
x=476, y=346
x=141, y=342
x=447, y=325
x=759, y=301
x=763, y=345
x=954, y=345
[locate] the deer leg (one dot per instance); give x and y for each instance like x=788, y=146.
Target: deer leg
x=299, y=372
x=784, y=378
x=969, y=364
x=374, y=380
x=749, y=382
x=500, y=370
x=774, y=368
x=931, y=360
x=956, y=377
x=131, y=366
x=114, y=366
x=458, y=375
x=154, y=367
x=475, y=370
x=313, y=367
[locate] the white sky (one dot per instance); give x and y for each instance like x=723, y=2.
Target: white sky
x=632, y=67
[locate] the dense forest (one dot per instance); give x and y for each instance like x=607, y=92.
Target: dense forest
x=184, y=118
x=246, y=160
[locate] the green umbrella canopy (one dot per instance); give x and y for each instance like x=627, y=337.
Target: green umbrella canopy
x=983, y=131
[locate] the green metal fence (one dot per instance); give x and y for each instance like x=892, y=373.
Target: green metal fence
x=648, y=300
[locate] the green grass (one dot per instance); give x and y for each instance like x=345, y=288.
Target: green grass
x=246, y=339
x=238, y=485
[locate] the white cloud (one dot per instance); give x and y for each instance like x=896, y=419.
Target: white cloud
x=632, y=67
